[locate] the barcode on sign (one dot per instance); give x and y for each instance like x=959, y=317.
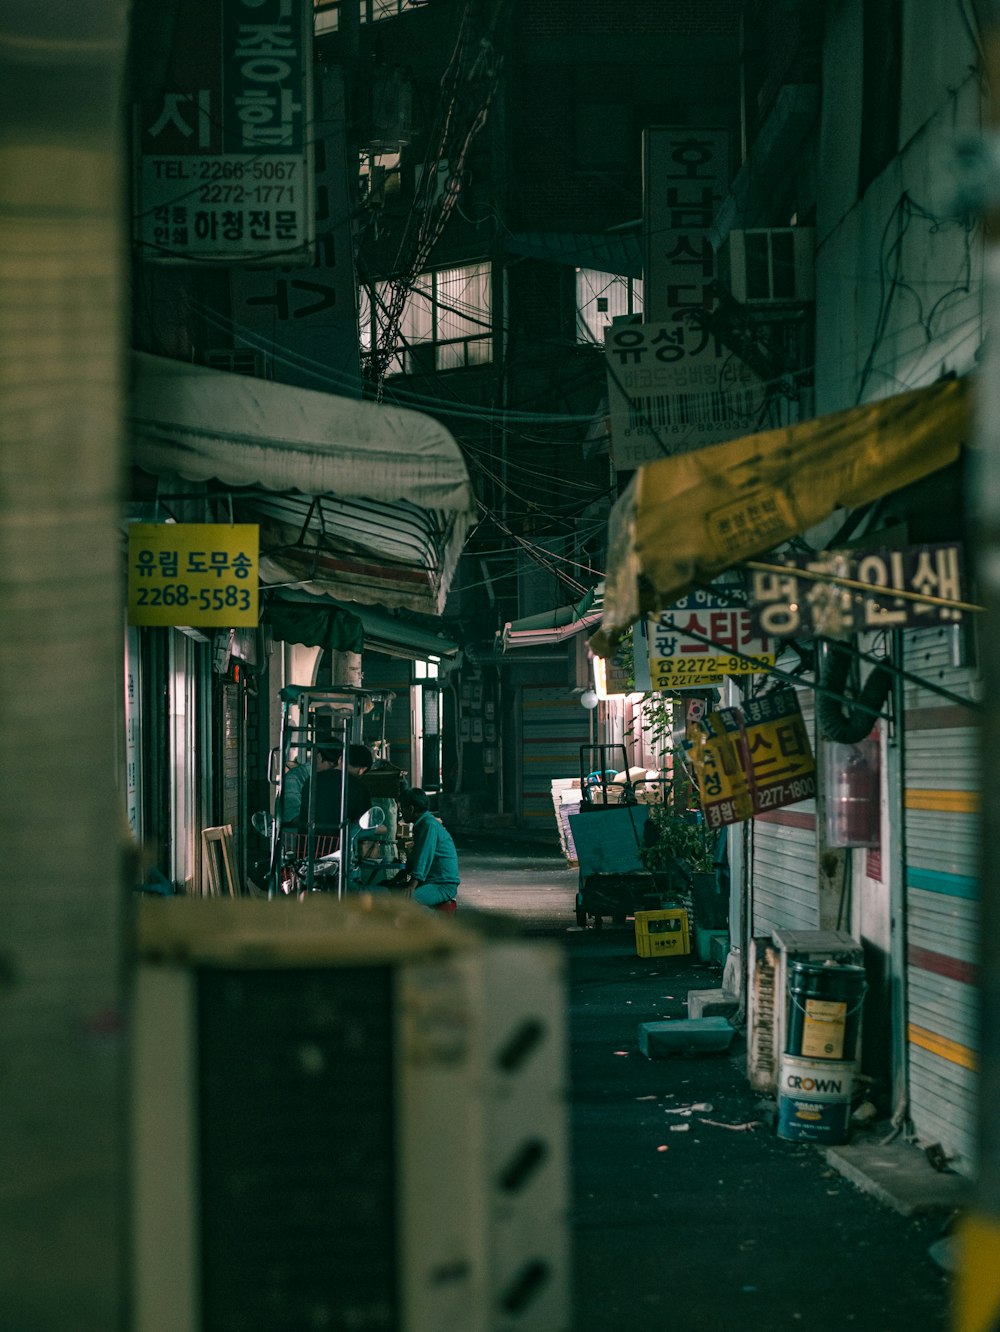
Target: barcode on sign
x=684, y=409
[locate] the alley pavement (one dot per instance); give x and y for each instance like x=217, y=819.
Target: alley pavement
x=688, y=1213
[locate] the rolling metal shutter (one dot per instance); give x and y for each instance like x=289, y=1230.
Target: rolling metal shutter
x=553, y=727
x=785, y=894
x=941, y=803
x=233, y=768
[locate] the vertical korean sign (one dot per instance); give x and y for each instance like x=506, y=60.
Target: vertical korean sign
x=716, y=754
x=685, y=176
x=224, y=166
x=671, y=385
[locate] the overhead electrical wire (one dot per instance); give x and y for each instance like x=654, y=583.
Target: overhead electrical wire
x=481, y=74
x=588, y=491
x=453, y=406
x=592, y=494
x=892, y=278
x=510, y=419
x=544, y=558
x=429, y=231
x=488, y=415
x=922, y=321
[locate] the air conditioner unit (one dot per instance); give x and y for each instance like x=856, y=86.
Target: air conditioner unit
x=769, y=266
x=767, y=1015
x=346, y=1114
x=524, y=1057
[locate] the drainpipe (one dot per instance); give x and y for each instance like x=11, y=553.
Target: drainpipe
x=894, y=839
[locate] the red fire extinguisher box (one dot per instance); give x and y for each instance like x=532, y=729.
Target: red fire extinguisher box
x=852, y=793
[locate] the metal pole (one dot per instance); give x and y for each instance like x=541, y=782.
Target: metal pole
x=344, y=841
x=274, y=868
x=311, y=809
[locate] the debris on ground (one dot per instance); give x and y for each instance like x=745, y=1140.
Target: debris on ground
x=747, y=1127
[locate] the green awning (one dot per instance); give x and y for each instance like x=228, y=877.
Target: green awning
x=553, y=626
x=318, y=621
x=404, y=635
x=329, y=627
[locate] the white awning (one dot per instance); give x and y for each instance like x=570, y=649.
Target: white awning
x=375, y=501
x=376, y=554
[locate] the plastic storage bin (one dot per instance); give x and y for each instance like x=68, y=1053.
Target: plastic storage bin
x=662, y=933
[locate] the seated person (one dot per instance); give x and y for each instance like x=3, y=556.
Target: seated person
x=360, y=759
x=295, y=777
x=431, y=869
x=329, y=778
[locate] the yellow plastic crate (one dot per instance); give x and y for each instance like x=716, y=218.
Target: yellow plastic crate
x=661, y=933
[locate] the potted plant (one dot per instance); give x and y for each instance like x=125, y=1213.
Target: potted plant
x=679, y=850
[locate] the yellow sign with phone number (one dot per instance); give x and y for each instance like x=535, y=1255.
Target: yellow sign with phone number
x=193, y=573
x=685, y=672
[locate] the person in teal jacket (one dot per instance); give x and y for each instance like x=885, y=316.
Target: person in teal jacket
x=431, y=869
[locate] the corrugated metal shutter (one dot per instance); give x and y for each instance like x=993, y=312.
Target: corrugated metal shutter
x=553, y=727
x=785, y=884
x=941, y=803
x=233, y=768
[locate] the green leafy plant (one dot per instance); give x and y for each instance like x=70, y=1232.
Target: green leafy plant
x=678, y=836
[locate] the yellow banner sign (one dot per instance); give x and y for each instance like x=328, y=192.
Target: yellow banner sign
x=751, y=761
x=716, y=754
x=782, y=770
x=193, y=573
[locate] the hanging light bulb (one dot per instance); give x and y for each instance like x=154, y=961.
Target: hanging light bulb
x=589, y=699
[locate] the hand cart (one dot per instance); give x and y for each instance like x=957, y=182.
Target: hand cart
x=608, y=836
x=312, y=718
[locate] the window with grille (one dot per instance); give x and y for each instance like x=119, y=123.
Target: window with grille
x=445, y=322
x=327, y=12
x=240, y=361
x=601, y=298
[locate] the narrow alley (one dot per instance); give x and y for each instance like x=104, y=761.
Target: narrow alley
x=688, y=1213
x=537, y=460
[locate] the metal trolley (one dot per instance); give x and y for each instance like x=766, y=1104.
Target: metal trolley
x=312, y=718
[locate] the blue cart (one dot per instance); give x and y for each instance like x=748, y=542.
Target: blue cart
x=608, y=836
